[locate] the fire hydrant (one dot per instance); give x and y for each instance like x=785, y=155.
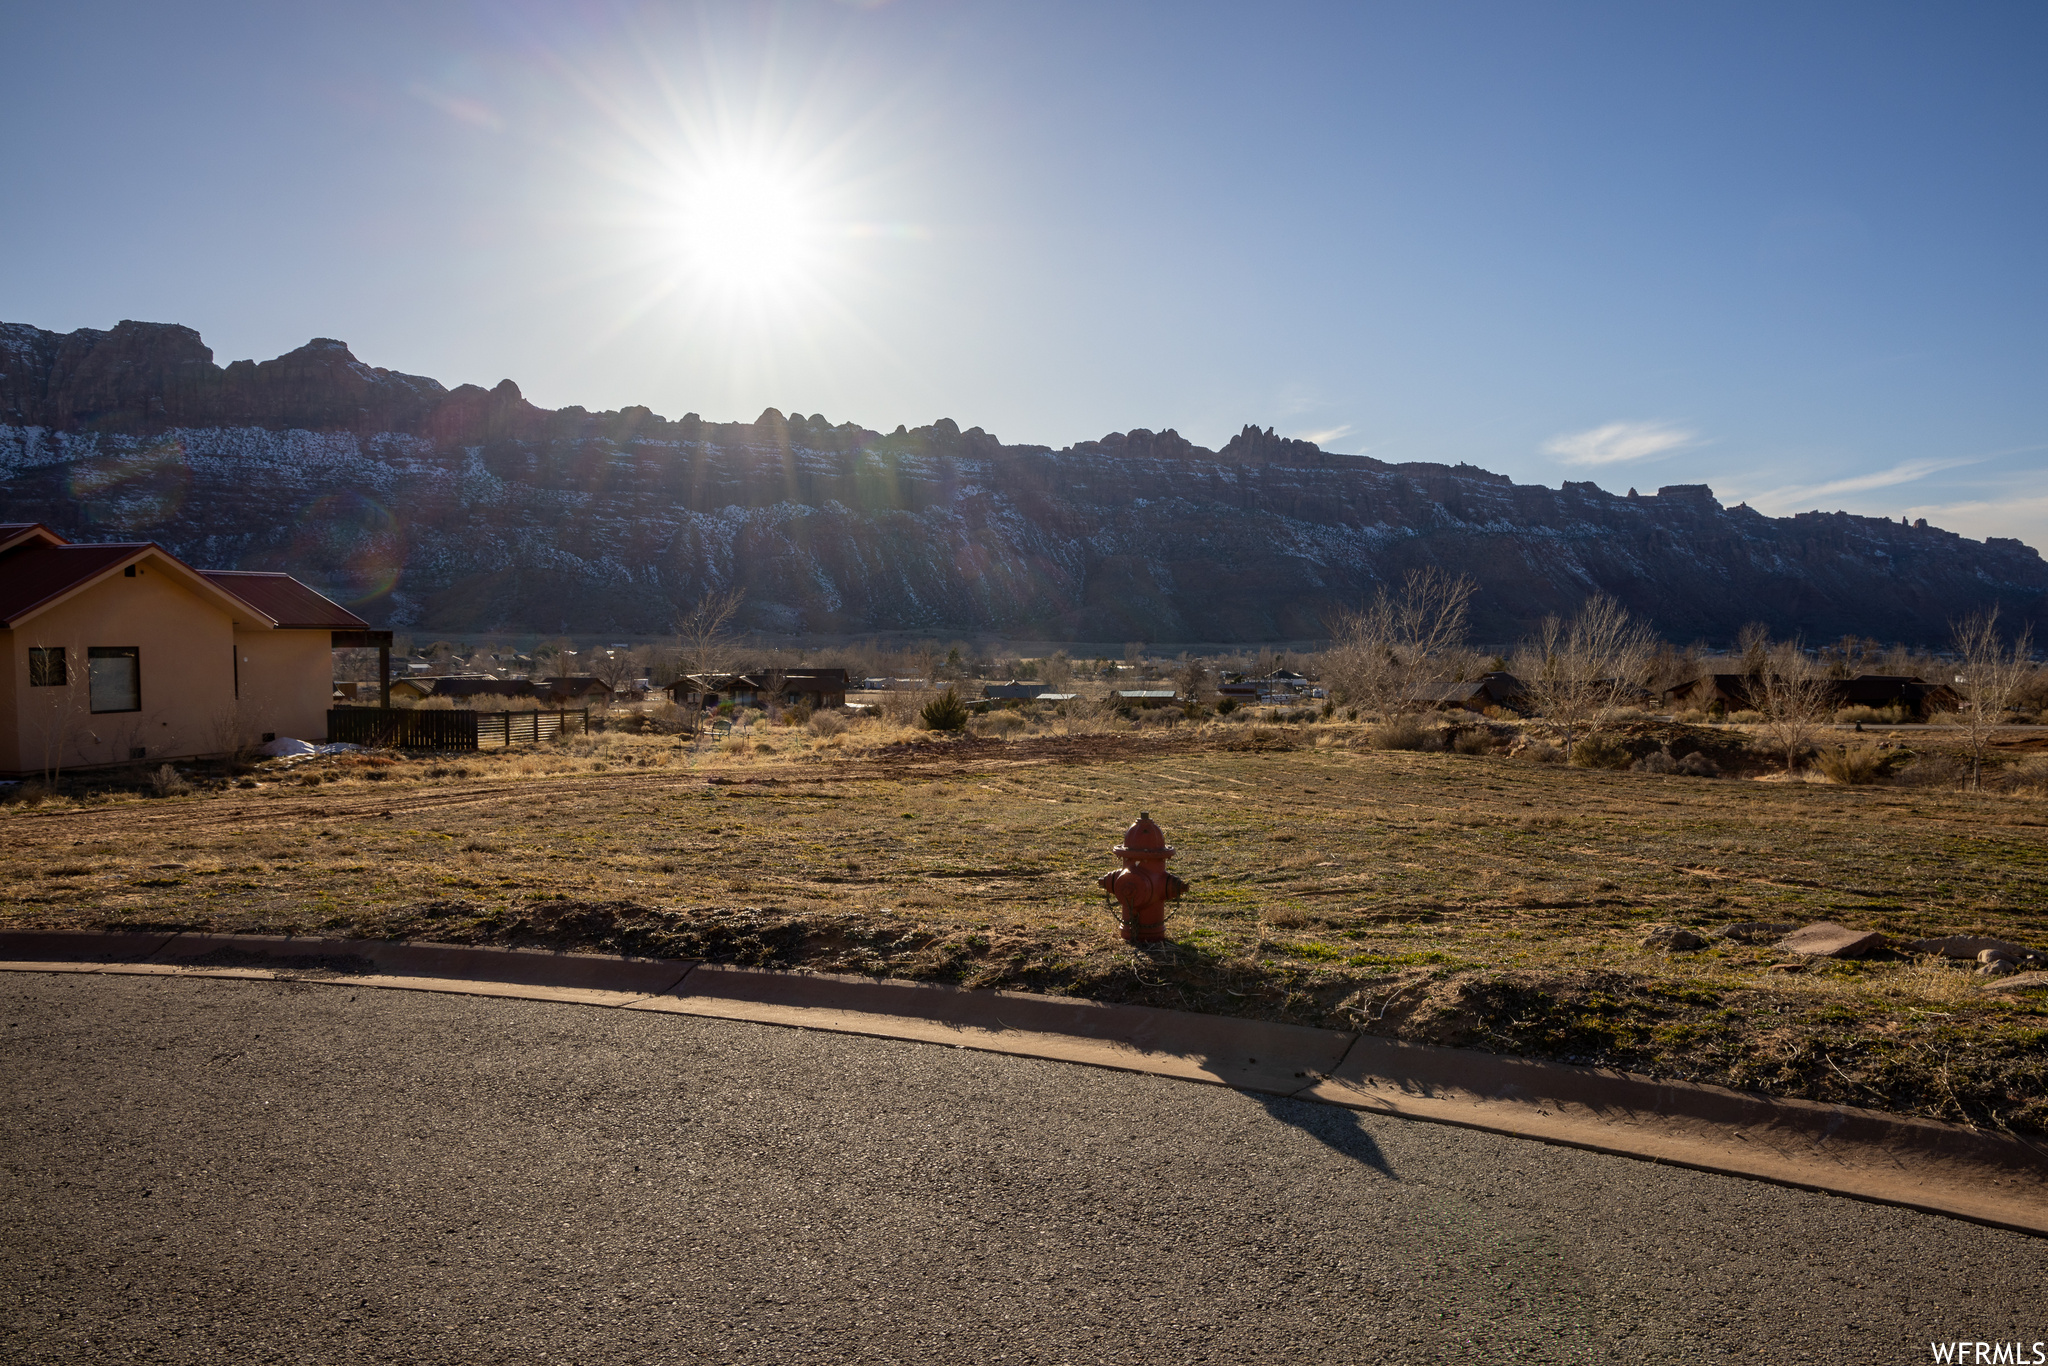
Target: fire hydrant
x=1142, y=887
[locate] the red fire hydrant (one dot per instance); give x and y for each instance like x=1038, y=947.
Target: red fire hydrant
x=1142, y=887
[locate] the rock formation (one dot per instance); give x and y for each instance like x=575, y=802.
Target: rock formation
x=468, y=510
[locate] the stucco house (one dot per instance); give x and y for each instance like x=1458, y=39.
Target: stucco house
x=118, y=653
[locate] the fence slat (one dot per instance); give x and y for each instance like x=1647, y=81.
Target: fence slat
x=400, y=728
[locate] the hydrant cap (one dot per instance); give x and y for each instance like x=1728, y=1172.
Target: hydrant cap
x=1145, y=837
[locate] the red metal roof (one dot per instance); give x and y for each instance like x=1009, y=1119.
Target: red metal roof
x=16, y=533
x=292, y=604
x=34, y=574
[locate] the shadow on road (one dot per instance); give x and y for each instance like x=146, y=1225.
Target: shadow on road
x=1339, y=1129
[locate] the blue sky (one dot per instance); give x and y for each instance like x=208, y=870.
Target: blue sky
x=1794, y=251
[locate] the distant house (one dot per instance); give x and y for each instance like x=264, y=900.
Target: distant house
x=1731, y=691
x=790, y=688
x=1282, y=686
x=575, y=690
x=120, y=653
x=1497, y=689
x=1012, y=692
x=1143, y=697
x=482, y=690
x=1914, y=696
x=412, y=689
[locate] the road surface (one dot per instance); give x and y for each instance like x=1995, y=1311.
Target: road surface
x=209, y=1170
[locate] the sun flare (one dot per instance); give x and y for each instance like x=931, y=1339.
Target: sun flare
x=746, y=230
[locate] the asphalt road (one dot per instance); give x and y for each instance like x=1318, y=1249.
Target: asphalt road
x=204, y=1170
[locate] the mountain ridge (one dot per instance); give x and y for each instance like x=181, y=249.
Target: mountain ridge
x=471, y=509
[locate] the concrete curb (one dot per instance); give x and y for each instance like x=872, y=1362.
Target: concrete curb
x=1921, y=1164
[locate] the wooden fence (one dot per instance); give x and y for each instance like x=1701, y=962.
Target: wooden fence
x=398, y=728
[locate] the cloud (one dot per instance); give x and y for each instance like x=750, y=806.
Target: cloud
x=1800, y=497
x=2024, y=518
x=1326, y=435
x=1619, y=442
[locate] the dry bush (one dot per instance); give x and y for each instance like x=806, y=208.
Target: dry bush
x=165, y=782
x=1698, y=765
x=999, y=724
x=1870, y=716
x=1853, y=764
x=1745, y=718
x=666, y=718
x=1540, y=752
x=1656, y=761
x=826, y=724
x=1601, y=751
x=1475, y=742
x=2027, y=778
x=1402, y=732
x=1692, y=716
x=1937, y=769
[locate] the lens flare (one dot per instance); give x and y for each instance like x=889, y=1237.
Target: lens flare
x=349, y=544
x=133, y=491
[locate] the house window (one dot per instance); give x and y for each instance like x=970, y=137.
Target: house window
x=46, y=667
x=116, y=674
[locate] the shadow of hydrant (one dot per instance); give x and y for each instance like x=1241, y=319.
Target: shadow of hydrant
x=1142, y=887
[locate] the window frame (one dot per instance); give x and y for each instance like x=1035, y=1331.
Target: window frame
x=95, y=653
x=40, y=658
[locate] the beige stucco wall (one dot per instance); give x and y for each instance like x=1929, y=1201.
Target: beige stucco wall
x=186, y=673
x=287, y=683
x=187, y=645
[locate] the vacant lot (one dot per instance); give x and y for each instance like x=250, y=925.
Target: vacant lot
x=1478, y=901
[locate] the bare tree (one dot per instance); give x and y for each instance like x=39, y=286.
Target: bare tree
x=704, y=637
x=1384, y=653
x=1193, y=681
x=1795, y=696
x=1989, y=674
x=772, y=683
x=1058, y=673
x=55, y=707
x=1580, y=672
x=614, y=668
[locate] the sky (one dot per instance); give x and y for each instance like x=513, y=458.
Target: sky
x=1794, y=251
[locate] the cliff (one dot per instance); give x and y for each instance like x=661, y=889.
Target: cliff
x=467, y=510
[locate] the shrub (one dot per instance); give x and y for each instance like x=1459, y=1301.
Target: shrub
x=1870, y=716
x=1692, y=716
x=1473, y=742
x=945, y=712
x=827, y=723
x=1934, y=770
x=1001, y=724
x=1541, y=752
x=798, y=715
x=1401, y=732
x=1853, y=764
x=1601, y=751
x=1226, y=706
x=1656, y=761
x=1698, y=765
x=165, y=782
x=1745, y=718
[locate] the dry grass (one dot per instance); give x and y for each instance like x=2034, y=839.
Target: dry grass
x=1473, y=900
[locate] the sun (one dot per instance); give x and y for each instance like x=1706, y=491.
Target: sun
x=745, y=230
